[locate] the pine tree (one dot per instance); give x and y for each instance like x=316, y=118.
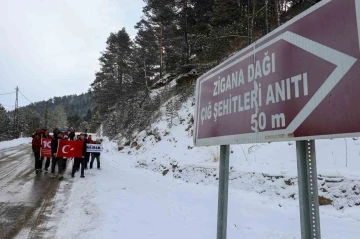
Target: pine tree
x=74, y=121
x=147, y=50
x=84, y=126
x=95, y=121
x=163, y=17
x=110, y=85
x=58, y=117
x=5, y=125
x=172, y=108
x=111, y=124
x=88, y=116
x=201, y=16
x=29, y=121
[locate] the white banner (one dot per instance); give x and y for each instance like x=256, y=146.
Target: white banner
x=93, y=148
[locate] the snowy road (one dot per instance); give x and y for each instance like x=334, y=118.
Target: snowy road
x=23, y=195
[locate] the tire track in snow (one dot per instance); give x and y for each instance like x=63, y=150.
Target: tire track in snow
x=24, y=196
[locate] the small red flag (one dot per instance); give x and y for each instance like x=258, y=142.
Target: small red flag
x=46, y=148
x=68, y=149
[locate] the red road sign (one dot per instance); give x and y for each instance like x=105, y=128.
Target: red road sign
x=301, y=81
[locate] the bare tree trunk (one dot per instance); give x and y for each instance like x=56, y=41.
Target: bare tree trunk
x=248, y=22
x=146, y=80
x=186, y=40
x=277, y=12
x=46, y=114
x=161, y=50
x=252, y=21
x=266, y=17
x=120, y=87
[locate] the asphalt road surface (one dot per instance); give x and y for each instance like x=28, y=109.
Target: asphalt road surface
x=24, y=196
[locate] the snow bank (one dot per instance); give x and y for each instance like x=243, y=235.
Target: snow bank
x=120, y=201
x=160, y=186
x=14, y=142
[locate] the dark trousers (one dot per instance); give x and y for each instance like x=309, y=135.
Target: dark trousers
x=38, y=162
x=59, y=162
x=64, y=164
x=47, y=162
x=76, y=165
x=87, y=157
x=93, y=157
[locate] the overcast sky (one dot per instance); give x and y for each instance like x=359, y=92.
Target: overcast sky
x=51, y=47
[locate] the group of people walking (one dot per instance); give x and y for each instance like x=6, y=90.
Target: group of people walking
x=79, y=164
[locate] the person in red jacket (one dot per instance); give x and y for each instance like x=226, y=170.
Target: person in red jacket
x=90, y=141
x=46, y=135
x=36, y=145
x=80, y=161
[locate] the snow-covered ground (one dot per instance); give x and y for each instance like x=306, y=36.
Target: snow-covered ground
x=162, y=187
x=14, y=142
x=121, y=201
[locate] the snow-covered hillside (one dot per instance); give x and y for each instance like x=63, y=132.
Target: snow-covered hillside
x=268, y=169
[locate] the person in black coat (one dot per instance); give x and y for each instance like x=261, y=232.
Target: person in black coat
x=87, y=155
x=36, y=145
x=72, y=134
x=80, y=161
x=55, y=132
x=55, y=159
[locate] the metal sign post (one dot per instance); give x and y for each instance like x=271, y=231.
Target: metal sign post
x=308, y=190
x=223, y=191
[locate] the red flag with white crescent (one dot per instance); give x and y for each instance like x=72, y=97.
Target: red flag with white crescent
x=68, y=149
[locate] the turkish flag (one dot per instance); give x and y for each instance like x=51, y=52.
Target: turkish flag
x=46, y=148
x=69, y=149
